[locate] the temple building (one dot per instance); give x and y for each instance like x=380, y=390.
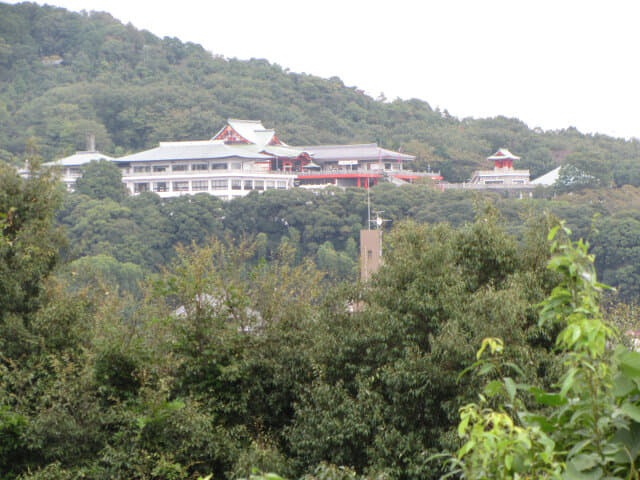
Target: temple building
x=242, y=157
x=503, y=172
x=357, y=166
x=245, y=156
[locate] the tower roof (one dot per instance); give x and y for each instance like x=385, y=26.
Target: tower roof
x=503, y=154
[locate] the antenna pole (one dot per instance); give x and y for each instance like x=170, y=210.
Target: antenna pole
x=368, y=205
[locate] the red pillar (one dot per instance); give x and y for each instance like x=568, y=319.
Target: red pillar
x=358, y=182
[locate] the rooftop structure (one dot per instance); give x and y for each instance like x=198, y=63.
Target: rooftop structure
x=503, y=172
x=70, y=167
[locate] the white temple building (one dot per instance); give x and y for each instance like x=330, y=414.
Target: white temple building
x=245, y=156
x=503, y=172
x=240, y=158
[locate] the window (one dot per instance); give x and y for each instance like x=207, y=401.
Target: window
x=258, y=184
x=270, y=184
x=159, y=168
x=199, y=166
x=236, y=184
x=160, y=187
x=74, y=171
x=218, y=166
x=179, y=168
x=236, y=166
x=141, y=169
x=219, y=184
x=248, y=185
x=140, y=187
x=180, y=186
x=282, y=185
x=387, y=166
x=199, y=185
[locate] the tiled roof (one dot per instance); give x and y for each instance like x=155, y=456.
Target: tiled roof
x=367, y=151
x=502, y=154
x=199, y=150
x=78, y=158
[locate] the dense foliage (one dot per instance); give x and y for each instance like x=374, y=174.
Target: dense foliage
x=226, y=362
x=64, y=74
x=324, y=225
x=589, y=427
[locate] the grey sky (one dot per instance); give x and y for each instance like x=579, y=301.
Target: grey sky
x=553, y=64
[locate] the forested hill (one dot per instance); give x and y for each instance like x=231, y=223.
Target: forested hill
x=63, y=74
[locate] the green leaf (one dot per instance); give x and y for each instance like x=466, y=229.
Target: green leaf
x=493, y=388
x=510, y=386
x=629, y=443
x=630, y=364
x=550, y=399
x=542, y=422
x=585, y=461
x=623, y=386
x=573, y=473
x=631, y=410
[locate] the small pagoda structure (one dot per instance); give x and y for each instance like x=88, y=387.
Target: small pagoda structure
x=503, y=172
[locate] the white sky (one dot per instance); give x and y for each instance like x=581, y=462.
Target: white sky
x=550, y=63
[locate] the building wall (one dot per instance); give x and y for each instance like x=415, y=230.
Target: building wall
x=370, y=253
x=498, y=176
x=226, y=186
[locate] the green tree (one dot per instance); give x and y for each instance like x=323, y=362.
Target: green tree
x=101, y=180
x=386, y=392
x=588, y=424
x=29, y=241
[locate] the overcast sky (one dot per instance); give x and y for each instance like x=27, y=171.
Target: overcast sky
x=551, y=63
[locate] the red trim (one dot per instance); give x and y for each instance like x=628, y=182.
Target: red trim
x=275, y=141
x=229, y=135
x=340, y=175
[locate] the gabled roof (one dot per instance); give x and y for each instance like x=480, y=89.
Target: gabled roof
x=77, y=159
x=251, y=130
x=198, y=150
x=367, y=151
x=503, y=154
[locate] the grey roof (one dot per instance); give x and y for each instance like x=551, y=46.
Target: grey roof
x=282, y=151
x=77, y=159
x=200, y=150
x=548, y=178
x=367, y=151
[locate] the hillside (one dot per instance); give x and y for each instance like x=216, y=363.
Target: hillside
x=63, y=74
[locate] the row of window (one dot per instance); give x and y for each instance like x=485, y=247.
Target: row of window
x=185, y=167
x=206, y=185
